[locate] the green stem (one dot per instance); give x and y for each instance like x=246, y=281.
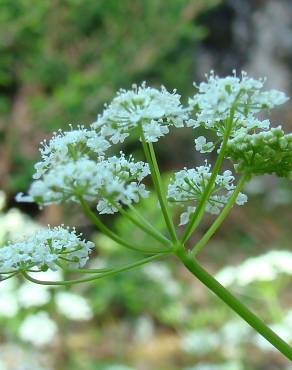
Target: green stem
x=102, y=227
x=197, y=270
x=95, y=277
x=142, y=225
x=204, y=240
x=10, y=276
x=200, y=210
x=151, y=159
x=143, y=220
x=83, y=270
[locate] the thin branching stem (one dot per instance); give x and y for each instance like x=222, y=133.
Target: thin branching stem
x=96, y=276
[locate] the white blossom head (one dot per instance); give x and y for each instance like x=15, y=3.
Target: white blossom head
x=68, y=146
x=44, y=249
x=73, y=306
x=216, y=98
x=188, y=185
x=115, y=180
x=29, y=330
x=266, y=267
x=152, y=110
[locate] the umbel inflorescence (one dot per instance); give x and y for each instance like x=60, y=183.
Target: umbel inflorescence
x=80, y=166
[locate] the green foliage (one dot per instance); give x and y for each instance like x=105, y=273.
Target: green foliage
x=62, y=60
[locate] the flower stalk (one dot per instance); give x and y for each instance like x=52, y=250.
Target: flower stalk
x=217, y=223
x=210, y=282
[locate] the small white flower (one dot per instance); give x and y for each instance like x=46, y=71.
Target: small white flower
x=203, y=146
x=151, y=109
x=188, y=185
x=153, y=131
x=33, y=295
x=73, y=306
x=43, y=249
x=185, y=216
x=38, y=329
x=241, y=199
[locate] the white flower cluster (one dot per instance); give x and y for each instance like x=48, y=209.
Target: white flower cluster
x=43, y=249
x=14, y=298
x=217, y=97
x=266, y=267
x=29, y=330
x=115, y=178
x=188, y=185
x=73, y=306
x=143, y=107
x=227, y=339
x=69, y=146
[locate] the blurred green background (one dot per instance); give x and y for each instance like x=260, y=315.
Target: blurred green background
x=60, y=62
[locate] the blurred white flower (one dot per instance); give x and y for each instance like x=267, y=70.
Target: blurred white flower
x=14, y=357
x=230, y=365
x=161, y=274
x=38, y=329
x=200, y=341
x=144, y=329
x=15, y=224
x=235, y=332
x=73, y=306
x=266, y=267
x=8, y=300
x=233, y=335
x=33, y=295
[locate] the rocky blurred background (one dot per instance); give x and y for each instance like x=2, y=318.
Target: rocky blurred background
x=60, y=62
